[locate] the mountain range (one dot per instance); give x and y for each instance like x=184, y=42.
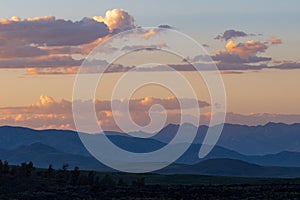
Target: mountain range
x=272, y=150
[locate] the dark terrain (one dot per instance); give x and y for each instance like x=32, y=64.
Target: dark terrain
x=27, y=182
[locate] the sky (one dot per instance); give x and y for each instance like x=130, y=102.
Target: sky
x=255, y=44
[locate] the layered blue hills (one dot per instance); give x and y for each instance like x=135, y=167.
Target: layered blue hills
x=272, y=150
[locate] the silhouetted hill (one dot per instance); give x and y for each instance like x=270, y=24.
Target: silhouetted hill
x=63, y=140
x=42, y=155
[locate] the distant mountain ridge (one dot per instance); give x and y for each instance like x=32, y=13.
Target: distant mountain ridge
x=268, y=145
x=270, y=138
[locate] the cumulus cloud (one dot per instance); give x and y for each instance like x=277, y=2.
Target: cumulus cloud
x=116, y=20
x=229, y=34
x=244, y=50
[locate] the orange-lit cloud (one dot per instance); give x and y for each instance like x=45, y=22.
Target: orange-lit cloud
x=274, y=40
x=149, y=34
x=48, y=112
x=36, y=19
x=46, y=45
x=8, y=21
x=247, y=49
x=51, y=70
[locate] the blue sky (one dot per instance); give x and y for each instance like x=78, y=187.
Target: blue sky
x=200, y=19
x=222, y=13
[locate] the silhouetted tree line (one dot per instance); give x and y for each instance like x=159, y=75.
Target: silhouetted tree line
x=24, y=170
x=27, y=182
x=64, y=176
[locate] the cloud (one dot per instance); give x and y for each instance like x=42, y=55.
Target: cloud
x=49, y=31
x=225, y=68
x=116, y=20
x=46, y=45
x=144, y=47
x=229, y=66
x=47, y=42
x=231, y=72
x=287, y=65
x=198, y=58
x=225, y=57
x=8, y=21
x=165, y=26
x=210, y=67
x=51, y=71
x=13, y=49
x=247, y=49
x=64, y=70
x=170, y=103
x=51, y=113
x=149, y=34
x=229, y=34
x=40, y=62
x=274, y=40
